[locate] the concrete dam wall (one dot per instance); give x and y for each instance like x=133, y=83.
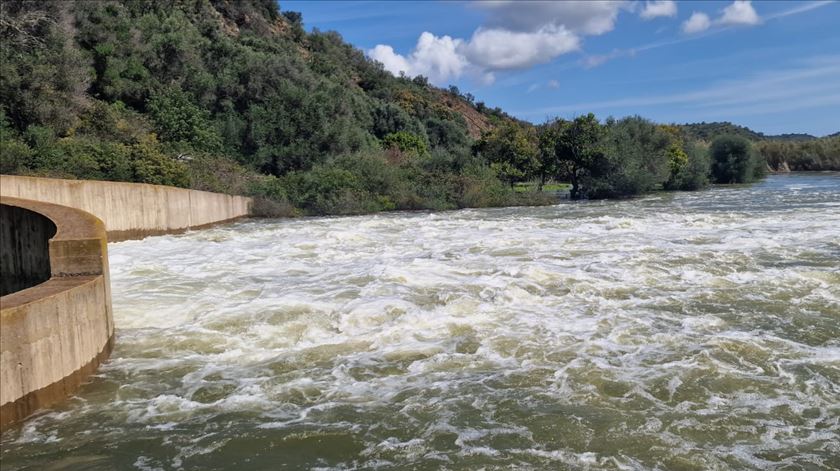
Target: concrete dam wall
x=56, y=323
x=55, y=333
x=131, y=210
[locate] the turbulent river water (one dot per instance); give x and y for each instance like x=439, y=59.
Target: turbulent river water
x=676, y=331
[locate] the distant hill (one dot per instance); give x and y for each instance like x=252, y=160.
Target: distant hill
x=709, y=131
x=791, y=137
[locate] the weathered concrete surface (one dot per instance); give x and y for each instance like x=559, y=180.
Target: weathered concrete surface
x=24, y=248
x=53, y=335
x=131, y=210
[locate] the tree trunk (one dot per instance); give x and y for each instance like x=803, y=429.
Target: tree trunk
x=574, y=192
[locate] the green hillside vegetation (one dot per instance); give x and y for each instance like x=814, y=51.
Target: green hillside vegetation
x=709, y=131
x=236, y=97
x=232, y=97
x=783, y=152
x=809, y=155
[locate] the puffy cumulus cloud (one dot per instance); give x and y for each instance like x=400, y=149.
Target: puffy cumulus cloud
x=393, y=62
x=444, y=58
x=498, y=49
x=657, y=8
x=517, y=34
x=741, y=12
x=579, y=16
x=696, y=23
x=435, y=57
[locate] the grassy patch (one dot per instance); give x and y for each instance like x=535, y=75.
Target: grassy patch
x=526, y=187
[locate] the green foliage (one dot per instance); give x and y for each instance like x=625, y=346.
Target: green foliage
x=150, y=165
x=708, y=132
x=813, y=155
x=511, y=152
x=693, y=174
x=634, y=160
x=572, y=148
x=688, y=163
x=14, y=154
x=182, y=123
x=735, y=161
x=405, y=141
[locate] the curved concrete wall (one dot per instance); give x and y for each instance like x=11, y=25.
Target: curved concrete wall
x=54, y=334
x=131, y=210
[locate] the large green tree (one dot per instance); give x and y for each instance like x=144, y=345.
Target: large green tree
x=511, y=151
x=577, y=147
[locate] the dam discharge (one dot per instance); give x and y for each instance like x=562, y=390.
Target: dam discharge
x=677, y=331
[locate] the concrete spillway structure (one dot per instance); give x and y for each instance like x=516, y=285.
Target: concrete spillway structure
x=56, y=323
x=55, y=333
x=131, y=210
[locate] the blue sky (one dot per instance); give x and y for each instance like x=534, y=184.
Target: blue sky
x=771, y=66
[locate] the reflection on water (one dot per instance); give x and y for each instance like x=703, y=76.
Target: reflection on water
x=678, y=331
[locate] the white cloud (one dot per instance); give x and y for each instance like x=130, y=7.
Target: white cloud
x=517, y=35
x=393, y=62
x=498, y=49
x=657, y=8
x=435, y=57
x=696, y=23
x=444, y=58
x=578, y=16
x=741, y=12
x=553, y=84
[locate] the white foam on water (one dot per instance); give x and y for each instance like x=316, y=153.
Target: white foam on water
x=574, y=335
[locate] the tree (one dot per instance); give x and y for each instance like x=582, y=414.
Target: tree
x=688, y=163
x=633, y=160
x=179, y=121
x=548, y=136
x=735, y=161
x=576, y=149
x=511, y=152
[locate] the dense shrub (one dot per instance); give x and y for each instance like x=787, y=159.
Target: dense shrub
x=634, y=160
x=735, y=161
x=405, y=141
x=692, y=173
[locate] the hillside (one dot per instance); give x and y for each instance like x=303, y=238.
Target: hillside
x=212, y=94
x=235, y=96
x=708, y=131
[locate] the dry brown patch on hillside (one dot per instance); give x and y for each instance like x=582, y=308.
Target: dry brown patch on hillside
x=477, y=123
